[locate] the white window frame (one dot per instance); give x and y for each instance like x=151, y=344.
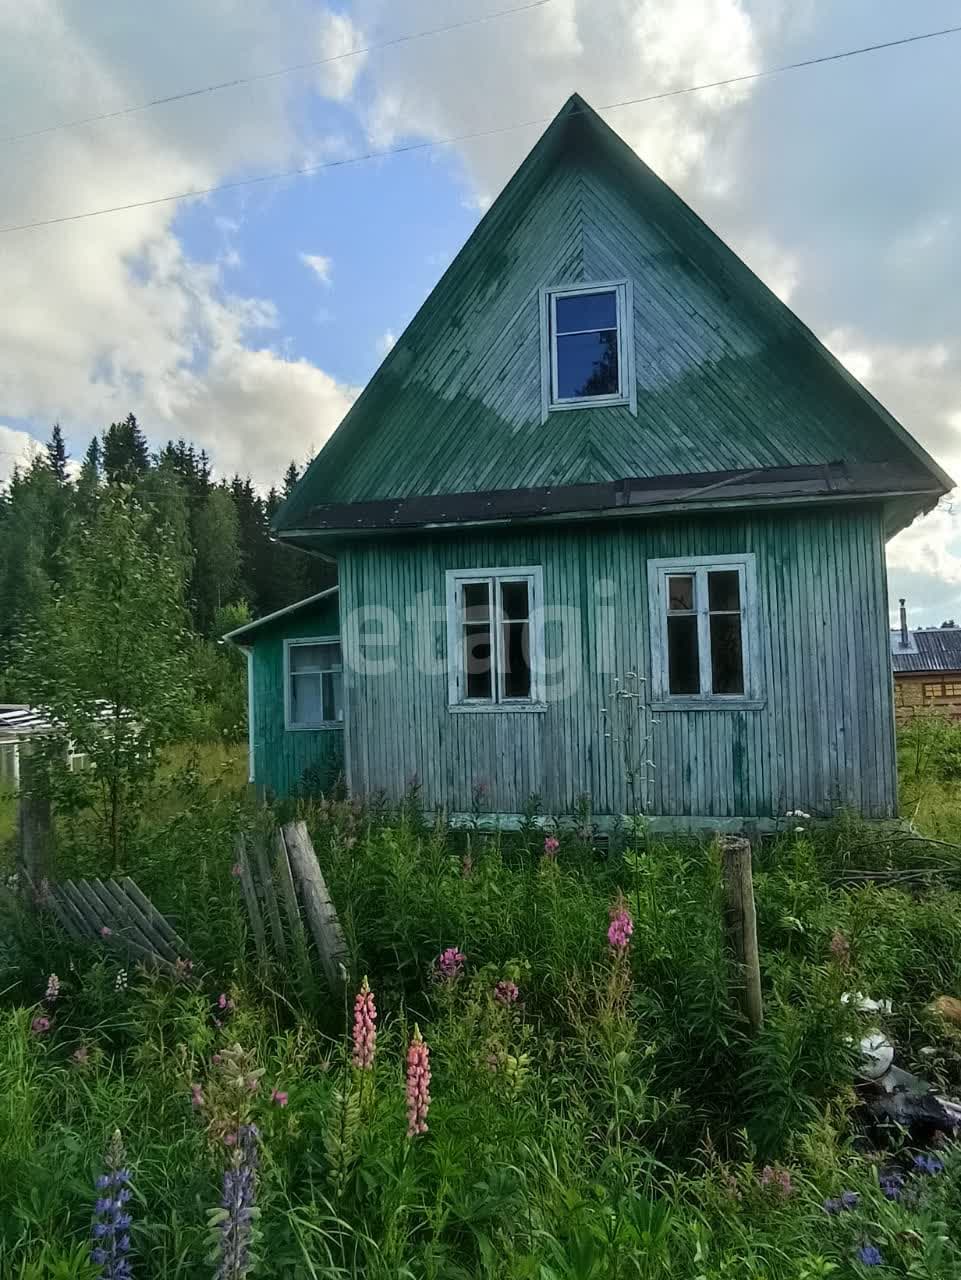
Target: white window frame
x=457, y=698
x=627, y=388
x=319, y=726
x=698, y=567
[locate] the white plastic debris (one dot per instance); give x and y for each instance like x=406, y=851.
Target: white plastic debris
x=864, y=1004
x=877, y=1055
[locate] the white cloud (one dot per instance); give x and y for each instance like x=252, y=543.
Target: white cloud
x=17, y=449
x=110, y=314
x=778, y=268
x=385, y=342
x=319, y=265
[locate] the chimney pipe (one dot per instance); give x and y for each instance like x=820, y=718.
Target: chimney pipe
x=905, y=635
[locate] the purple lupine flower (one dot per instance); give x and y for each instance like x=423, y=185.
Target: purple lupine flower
x=849, y=1199
x=870, y=1255
x=111, y=1224
x=506, y=992
x=621, y=927
x=831, y=1206
x=365, y=1028
x=891, y=1184
x=233, y=1222
x=450, y=964
x=928, y=1164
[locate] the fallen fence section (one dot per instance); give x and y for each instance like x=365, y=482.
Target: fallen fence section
x=117, y=914
x=282, y=887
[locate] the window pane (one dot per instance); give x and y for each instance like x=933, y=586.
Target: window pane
x=724, y=589
x=314, y=657
x=477, y=659
x=682, y=658
x=476, y=602
x=587, y=365
x=577, y=311
x=517, y=658
x=333, y=692
x=305, y=699
x=727, y=662
x=680, y=593
x=514, y=600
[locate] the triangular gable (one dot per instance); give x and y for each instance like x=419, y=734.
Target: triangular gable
x=728, y=378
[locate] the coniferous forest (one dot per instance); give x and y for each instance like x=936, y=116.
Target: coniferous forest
x=219, y=528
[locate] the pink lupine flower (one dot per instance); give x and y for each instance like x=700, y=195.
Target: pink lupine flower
x=506, y=991
x=279, y=1098
x=53, y=988
x=551, y=846
x=236, y=870
x=778, y=1179
x=196, y=1096
x=40, y=1025
x=840, y=948
x=222, y=1001
x=418, y=1084
x=365, y=1028
x=621, y=926
x=105, y=931
x=450, y=964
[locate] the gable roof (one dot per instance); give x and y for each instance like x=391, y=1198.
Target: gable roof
x=729, y=379
x=241, y=636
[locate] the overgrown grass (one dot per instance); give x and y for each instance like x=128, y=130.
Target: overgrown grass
x=616, y=1120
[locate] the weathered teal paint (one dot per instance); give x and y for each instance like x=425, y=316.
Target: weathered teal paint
x=727, y=380
x=822, y=740
x=285, y=758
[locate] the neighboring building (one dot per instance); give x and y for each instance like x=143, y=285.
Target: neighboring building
x=927, y=670
x=18, y=726
x=601, y=446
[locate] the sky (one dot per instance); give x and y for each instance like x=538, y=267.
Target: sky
x=248, y=320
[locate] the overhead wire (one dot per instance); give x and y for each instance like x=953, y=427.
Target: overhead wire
x=431, y=143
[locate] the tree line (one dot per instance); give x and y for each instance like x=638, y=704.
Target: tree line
x=219, y=531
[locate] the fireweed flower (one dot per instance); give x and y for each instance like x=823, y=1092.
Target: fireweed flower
x=870, y=1255
x=279, y=1098
x=365, y=1028
x=621, y=926
x=418, y=1084
x=840, y=948
x=450, y=964
x=233, y=1223
x=40, y=1025
x=506, y=991
x=53, y=989
x=196, y=1096
x=105, y=931
x=778, y=1178
x=111, y=1222
x=551, y=846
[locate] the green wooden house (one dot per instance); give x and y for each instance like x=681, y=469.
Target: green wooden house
x=601, y=447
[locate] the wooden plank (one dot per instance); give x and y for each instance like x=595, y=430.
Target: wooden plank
x=64, y=914
x=125, y=924
x=295, y=923
x=158, y=921
x=268, y=895
x=741, y=925
x=250, y=898
x=138, y=919
x=321, y=916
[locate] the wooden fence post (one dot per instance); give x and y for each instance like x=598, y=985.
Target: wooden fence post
x=34, y=826
x=321, y=916
x=740, y=919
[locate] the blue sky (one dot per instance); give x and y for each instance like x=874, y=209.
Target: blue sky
x=248, y=321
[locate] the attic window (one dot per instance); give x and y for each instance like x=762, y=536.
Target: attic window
x=587, y=346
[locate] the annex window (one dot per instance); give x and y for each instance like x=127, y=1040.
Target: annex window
x=494, y=637
x=587, y=346
x=315, y=683
x=933, y=691
x=952, y=689
x=703, y=627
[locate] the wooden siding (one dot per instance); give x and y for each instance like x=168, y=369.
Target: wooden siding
x=726, y=377
x=282, y=756
x=824, y=737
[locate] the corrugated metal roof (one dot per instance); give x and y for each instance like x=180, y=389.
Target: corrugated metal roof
x=937, y=649
x=22, y=722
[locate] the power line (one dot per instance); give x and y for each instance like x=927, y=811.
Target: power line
x=271, y=75
x=470, y=137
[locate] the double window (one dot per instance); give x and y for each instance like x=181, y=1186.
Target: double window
x=587, y=346
x=314, y=678
x=494, y=637
x=703, y=627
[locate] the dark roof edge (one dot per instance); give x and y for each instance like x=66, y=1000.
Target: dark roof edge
x=631, y=495
x=257, y=623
